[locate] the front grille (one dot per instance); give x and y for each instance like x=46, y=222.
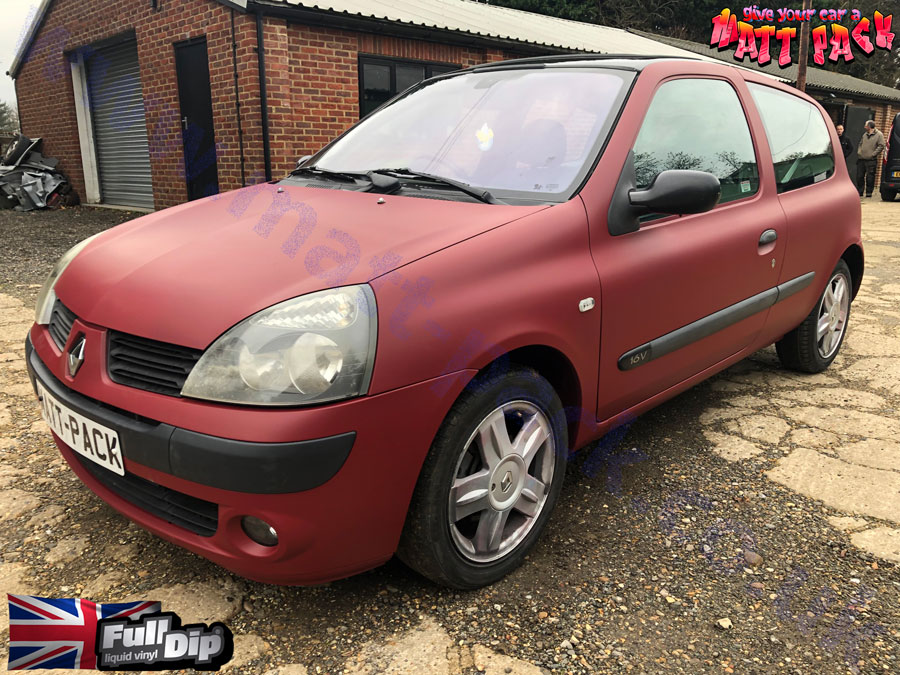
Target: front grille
x=61, y=320
x=148, y=364
x=196, y=515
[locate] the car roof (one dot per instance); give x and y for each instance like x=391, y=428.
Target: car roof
x=631, y=62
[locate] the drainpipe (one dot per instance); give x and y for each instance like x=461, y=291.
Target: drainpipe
x=18, y=108
x=263, y=98
x=237, y=101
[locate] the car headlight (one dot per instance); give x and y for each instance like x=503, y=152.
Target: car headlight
x=311, y=349
x=47, y=297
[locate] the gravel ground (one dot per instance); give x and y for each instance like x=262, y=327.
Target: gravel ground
x=33, y=241
x=747, y=526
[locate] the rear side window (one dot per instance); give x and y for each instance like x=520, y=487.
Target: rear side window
x=798, y=137
x=698, y=124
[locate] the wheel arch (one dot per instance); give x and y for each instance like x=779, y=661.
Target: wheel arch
x=855, y=260
x=555, y=367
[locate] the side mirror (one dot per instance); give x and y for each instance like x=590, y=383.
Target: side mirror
x=303, y=160
x=674, y=191
x=678, y=191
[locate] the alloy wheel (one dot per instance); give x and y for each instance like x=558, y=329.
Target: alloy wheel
x=502, y=481
x=832, y=316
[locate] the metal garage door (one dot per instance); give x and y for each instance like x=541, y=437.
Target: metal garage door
x=120, y=127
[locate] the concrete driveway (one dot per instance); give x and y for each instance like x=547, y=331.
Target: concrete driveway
x=834, y=436
x=750, y=525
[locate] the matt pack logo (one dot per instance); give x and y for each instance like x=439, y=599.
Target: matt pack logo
x=75, y=633
x=753, y=32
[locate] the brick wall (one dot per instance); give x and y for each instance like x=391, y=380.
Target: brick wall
x=884, y=115
x=46, y=99
x=311, y=79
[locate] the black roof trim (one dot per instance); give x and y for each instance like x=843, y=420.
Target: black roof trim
x=631, y=61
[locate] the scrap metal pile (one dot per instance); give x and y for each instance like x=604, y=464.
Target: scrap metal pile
x=30, y=181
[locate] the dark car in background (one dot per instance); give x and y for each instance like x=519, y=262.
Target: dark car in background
x=890, y=170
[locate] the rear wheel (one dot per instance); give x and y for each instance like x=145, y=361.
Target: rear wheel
x=489, y=483
x=814, y=344
x=888, y=195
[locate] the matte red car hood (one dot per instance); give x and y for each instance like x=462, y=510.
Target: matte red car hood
x=187, y=274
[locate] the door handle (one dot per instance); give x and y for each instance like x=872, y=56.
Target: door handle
x=767, y=237
x=184, y=123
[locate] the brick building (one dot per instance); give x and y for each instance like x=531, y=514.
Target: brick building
x=148, y=103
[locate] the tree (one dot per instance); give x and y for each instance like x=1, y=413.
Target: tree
x=687, y=19
x=692, y=20
x=9, y=118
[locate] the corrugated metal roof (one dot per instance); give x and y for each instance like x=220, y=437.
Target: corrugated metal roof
x=466, y=17
x=816, y=78
x=499, y=23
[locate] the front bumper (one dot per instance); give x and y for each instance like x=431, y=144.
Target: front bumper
x=338, y=502
x=212, y=461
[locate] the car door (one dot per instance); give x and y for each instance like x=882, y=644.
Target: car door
x=818, y=200
x=682, y=293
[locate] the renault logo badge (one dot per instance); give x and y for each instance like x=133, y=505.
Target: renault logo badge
x=506, y=482
x=76, y=355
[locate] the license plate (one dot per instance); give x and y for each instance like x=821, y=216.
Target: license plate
x=94, y=441
x=897, y=174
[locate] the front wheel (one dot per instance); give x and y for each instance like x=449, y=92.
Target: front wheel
x=489, y=482
x=814, y=344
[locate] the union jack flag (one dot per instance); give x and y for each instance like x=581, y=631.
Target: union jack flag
x=61, y=632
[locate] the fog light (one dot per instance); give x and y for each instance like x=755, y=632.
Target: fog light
x=259, y=531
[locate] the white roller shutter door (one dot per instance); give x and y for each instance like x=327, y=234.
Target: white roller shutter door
x=120, y=126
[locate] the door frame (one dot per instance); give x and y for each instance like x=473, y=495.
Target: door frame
x=85, y=124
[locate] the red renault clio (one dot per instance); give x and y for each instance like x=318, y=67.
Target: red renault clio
x=396, y=347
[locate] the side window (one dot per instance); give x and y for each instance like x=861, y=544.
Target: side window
x=798, y=137
x=698, y=124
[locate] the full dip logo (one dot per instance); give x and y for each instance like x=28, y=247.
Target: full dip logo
x=75, y=633
x=755, y=35
x=159, y=641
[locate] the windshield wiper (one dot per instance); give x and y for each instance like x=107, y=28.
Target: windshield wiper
x=480, y=194
x=328, y=173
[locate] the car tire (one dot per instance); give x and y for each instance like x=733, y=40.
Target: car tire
x=15, y=150
x=480, y=503
x=814, y=344
x=888, y=195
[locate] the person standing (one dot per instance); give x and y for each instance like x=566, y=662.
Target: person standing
x=846, y=143
x=871, y=145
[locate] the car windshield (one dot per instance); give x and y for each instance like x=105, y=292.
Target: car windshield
x=531, y=133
